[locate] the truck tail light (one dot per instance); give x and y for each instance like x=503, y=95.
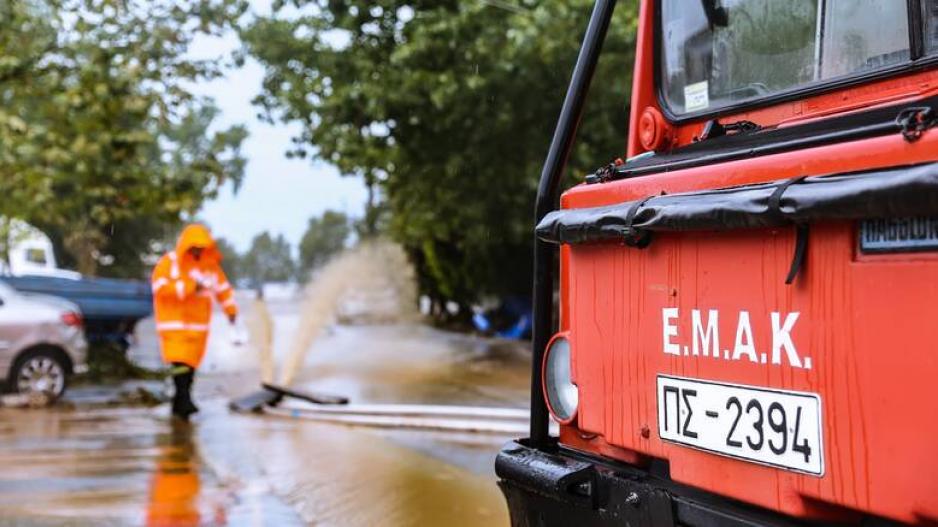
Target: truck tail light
x=72, y=318
x=560, y=392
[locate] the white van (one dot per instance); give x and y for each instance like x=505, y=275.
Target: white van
x=31, y=252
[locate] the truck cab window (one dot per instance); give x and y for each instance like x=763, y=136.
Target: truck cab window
x=863, y=35
x=36, y=256
x=720, y=52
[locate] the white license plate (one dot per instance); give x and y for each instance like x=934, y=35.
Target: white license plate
x=772, y=427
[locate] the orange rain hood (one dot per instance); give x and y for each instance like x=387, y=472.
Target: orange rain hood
x=197, y=235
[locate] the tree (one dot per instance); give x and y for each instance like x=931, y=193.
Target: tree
x=231, y=260
x=268, y=260
x=449, y=107
x=325, y=236
x=102, y=145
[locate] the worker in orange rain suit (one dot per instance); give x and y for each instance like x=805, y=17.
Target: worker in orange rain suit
x=184, y=282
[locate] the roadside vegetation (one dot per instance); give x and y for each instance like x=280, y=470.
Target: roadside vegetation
x=109, y=362
x=431, y=103
x=104, y=147
x=102, y=144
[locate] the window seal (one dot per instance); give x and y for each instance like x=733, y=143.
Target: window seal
x=916, y=30
x=837, y=129
x=911, y=66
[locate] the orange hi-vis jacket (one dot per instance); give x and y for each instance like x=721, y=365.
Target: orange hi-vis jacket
x=183, y=288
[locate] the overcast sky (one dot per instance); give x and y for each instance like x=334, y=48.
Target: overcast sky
x=278, y=194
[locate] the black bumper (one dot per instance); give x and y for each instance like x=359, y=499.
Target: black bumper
x=563, y=487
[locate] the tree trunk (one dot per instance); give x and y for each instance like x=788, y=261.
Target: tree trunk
x=6, y=241
x=371, y=212
x=84, y=244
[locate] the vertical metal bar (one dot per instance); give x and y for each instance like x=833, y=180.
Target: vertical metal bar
x=916, y=29
x=819, y=39
x=548, y=193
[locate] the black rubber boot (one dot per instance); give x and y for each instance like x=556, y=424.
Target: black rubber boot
x=183, y=406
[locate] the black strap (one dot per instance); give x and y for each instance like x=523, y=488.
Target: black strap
x=801, y=229
x=775, y=200
x=801, y=247
x=634, y=238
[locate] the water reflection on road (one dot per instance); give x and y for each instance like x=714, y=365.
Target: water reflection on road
x=132, y=466
x=335, y=475
x=175, y=485
x=113, y=467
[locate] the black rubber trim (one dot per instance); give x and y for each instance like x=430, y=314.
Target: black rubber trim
x=910, y=190
x=916, y=29
x=560, y=487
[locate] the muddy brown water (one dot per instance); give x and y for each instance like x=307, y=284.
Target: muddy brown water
x=132, y=466
x=119, y=467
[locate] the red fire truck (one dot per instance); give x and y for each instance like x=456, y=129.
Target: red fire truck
x=747, y=326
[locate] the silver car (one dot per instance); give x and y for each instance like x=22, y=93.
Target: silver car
x=42, y=342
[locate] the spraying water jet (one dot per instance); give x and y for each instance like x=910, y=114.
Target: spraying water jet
x=371, y=267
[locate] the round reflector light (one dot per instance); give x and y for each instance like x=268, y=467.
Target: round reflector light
x=559, y=391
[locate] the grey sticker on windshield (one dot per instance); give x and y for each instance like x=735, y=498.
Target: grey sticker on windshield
x=697, y=96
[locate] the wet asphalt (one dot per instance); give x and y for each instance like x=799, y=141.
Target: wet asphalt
x=100, y=464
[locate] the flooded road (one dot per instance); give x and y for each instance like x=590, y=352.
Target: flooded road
x=132, y=466
x=117, y=467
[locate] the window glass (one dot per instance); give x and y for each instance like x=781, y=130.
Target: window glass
x=36, y=256
x=856, y=38
x=930, y=8
x=720, y=52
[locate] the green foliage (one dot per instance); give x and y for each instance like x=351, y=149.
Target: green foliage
x=268, y=260
x=109, y=362
x=325, y=236
x=102, y=145
x=231, y=260
x=448, y=106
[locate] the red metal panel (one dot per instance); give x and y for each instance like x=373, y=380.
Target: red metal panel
x=867, y=324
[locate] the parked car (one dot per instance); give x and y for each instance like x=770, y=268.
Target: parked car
x=42, y=343
x=110, y=308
